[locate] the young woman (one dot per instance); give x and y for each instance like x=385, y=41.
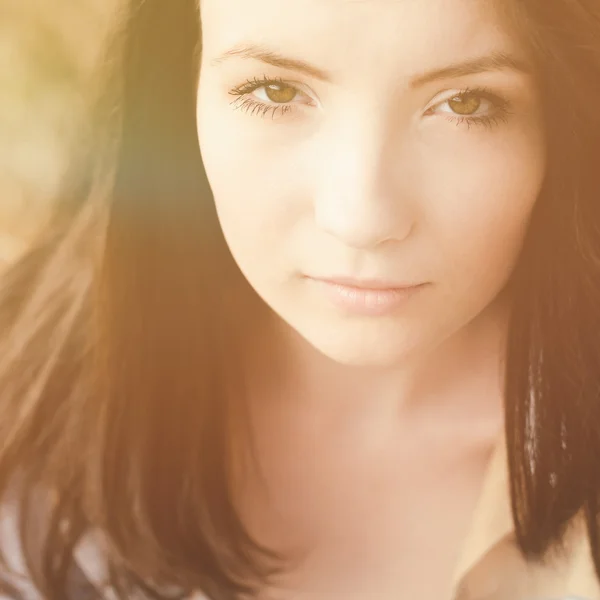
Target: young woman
x=317, y=313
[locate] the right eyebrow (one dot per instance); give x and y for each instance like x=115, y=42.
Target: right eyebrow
x=494, y=61
x=275, y=59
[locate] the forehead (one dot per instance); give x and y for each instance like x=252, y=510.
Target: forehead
x=359, y=34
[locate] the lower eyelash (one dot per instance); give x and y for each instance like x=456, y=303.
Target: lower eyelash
x=253, y=106
x=501, y=116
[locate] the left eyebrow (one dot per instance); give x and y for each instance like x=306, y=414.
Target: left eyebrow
x=495, y=61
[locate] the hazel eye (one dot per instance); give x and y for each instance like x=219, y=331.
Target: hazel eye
x=478, y=106
x=280, y=93
x=465, y=104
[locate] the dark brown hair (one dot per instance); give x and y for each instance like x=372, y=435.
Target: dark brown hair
x=120, y=377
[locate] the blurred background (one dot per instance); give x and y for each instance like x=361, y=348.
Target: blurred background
x=49, y=51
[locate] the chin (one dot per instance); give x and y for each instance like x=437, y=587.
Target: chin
x=370, y=349
x=380, y=343
x=357, y=357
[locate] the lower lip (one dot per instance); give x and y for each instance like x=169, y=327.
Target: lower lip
x=362, y=301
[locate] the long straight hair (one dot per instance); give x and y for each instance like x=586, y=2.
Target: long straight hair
x=121, y=386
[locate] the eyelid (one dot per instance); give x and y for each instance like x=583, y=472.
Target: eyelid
x=484, y=92
x=295, y=86
x=251, y=85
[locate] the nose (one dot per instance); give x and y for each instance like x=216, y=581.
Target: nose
x=362, y=197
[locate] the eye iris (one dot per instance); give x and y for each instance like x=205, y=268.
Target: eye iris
x=280, y=93
x=465, y=104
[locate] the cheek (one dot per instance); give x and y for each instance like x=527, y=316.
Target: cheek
x=255, y=201
x=484, y=202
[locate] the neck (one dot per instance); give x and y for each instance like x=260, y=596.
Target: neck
x=457, y=384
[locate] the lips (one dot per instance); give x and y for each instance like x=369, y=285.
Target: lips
x=357, y=297
x=368, y=284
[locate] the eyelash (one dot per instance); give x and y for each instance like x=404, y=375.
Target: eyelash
x=254, y=105
x=245, y=103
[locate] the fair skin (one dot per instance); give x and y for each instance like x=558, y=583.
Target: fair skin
x=366, y=169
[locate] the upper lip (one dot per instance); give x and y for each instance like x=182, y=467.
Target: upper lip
x=368, y=284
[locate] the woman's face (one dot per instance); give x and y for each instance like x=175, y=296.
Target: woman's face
x=395, y=140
